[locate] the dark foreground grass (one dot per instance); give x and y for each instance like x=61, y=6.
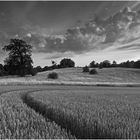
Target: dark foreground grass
x=90, y=115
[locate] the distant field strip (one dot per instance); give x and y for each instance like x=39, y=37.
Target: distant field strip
x=87, y=115
x=75, y=76
x=71, y=83
x=18, y=121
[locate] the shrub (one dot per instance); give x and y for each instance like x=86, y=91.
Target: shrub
x=93, y=71
x=86, y=69
x=53, y=75
x=33, y=72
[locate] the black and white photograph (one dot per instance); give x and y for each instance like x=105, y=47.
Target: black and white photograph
x=69, y=69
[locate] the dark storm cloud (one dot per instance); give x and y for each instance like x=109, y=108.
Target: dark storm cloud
x=98, y=34
x=68, y=26
x=84, y=29
x=74, y=40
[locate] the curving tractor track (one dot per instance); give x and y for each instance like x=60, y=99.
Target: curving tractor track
x=26, y=99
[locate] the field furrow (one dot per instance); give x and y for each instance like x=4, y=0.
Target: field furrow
x=67, y=119
x=18, y=121
x=88, y=115
x=47, y=114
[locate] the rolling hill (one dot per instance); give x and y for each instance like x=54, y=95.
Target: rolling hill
x=76, y=76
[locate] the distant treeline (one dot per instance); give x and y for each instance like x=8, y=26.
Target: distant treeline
x=66, y=62
x=108, y=64
x=19, y=61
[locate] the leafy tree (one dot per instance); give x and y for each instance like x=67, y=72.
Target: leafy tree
x=45, y=68
x=137, y=64
x=106, y=63
x=38, y=68
x=101, y=65
x=54, y=65
x=64, y=63
x=19, y=61
x=92, y=64
x=127, y=64
x=114, y=64
x=53, y=62
x=2, y=71
x=1, y=67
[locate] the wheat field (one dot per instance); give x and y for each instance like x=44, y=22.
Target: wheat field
x=65, y=112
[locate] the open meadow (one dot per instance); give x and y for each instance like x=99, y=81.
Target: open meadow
x=60, y=111
x=38, y=107
x=75, y=76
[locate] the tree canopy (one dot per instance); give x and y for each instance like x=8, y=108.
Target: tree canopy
x=64, y=63
x=19, y=61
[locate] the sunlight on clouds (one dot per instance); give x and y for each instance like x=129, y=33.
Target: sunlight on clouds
x=119, y=56
x=44, y=59
x=115, y=36
x=29, y=35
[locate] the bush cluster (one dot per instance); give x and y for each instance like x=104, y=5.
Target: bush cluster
x=93, y=71
x=86, y=69
x=33, y=72
x=53, y=75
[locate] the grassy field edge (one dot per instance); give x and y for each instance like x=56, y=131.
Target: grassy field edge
x=70, y=83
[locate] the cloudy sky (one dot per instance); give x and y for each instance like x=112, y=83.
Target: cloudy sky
x=83, y=31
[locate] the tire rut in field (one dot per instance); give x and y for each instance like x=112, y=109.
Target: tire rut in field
x=41, y=109
x=67, y=122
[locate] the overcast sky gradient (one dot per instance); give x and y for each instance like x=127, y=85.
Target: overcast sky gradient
x=83, y=31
